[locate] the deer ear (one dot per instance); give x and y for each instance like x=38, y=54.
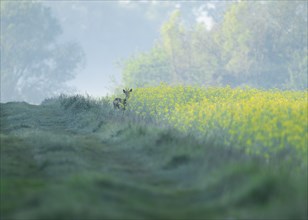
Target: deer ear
x=123, y=90
x=131, y=90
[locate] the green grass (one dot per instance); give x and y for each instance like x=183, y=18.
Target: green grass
x=77, y=158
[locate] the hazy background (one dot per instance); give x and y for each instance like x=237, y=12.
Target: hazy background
x=111, y=31
x=95, y=47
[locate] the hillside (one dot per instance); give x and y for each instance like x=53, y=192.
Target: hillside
x=77, y=158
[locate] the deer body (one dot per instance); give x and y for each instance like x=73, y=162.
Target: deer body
x=119, y=103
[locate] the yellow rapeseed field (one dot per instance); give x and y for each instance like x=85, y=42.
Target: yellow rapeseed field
x=260, y=122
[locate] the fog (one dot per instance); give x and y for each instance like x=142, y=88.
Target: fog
x=108, y=32
x=95, y=47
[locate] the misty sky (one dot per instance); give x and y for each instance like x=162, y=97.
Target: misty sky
x=111, y=31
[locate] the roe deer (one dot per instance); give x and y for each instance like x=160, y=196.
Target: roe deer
x=121, y=103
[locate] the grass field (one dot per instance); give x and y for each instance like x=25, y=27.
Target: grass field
x=176, y=153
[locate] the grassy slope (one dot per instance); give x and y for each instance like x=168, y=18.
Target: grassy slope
x=77, y=159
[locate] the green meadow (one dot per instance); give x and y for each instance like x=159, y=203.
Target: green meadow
x=75, y=157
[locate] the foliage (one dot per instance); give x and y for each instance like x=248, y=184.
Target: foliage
x=174, y=44
x=267, y=123
x=34, y=63
x=148, y=68
x=261, y=44
x=260, y=40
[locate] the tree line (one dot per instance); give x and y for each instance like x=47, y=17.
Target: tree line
x=258, y=44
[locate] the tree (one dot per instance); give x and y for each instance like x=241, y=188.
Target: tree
x=34, y=64
x=205, y=57
x=147, y=69
x=191, y=52
x=183, y=55
x=261, y=42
